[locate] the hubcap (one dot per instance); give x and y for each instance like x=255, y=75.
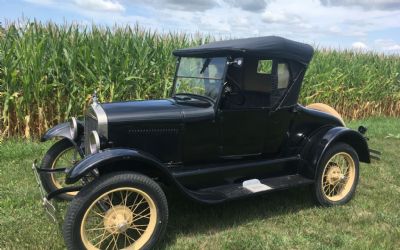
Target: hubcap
x=338, y=176
x=118, y=219
x=334, y=174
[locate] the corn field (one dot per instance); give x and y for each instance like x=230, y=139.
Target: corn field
x=49, y=71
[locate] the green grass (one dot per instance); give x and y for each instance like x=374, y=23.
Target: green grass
x=285, y=220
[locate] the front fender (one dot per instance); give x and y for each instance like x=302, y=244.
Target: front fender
x=340, y=134
x=109, y=156
x=63, y=130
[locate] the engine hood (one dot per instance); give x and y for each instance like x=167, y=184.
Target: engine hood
x=154, y=126
x=143, y=111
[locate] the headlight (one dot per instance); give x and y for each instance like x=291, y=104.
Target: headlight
x=73, y=128
x=94, y=142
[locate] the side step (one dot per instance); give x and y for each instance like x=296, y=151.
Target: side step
x=255, y=186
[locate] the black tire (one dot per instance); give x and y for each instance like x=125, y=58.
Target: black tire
x=93, y=191
x=50, y=157
x=348, y=193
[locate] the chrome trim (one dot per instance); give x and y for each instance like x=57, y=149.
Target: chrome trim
x=102, y=121
x=94, y=142
x=73, y=128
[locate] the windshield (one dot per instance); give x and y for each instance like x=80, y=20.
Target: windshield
x=200, y=76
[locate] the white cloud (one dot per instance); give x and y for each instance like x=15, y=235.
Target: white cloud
x=249, y=5
x=387, y=45
x=275, y=17
x=366, y=4
x=100, y=5
x=329, y=24
x=178, y=5
x=82, y=5
x=359, y=46
x=41, y=2
x=335, y=29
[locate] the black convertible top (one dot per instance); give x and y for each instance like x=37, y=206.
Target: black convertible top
x=267, y=46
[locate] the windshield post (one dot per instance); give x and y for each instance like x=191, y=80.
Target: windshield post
x=227, y=62
x=178, y=61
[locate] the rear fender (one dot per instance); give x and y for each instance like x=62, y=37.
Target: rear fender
x=334, y=135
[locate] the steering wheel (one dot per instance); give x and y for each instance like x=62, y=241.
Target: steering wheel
x=232, y=92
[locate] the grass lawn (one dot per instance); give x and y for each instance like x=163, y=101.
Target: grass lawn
x=285, y=219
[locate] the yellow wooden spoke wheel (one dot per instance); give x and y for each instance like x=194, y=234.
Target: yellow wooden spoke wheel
x=338, y=176
x=120, y=210
x=61, y=154
x=123, y=218
x=65, y=159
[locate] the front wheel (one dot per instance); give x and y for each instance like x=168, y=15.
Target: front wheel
x=337, y=175
x=117, y=211
x=61, y=154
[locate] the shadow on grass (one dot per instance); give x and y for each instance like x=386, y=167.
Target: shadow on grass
x=187, y=217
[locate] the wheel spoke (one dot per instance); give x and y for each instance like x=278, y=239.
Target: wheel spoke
x=126, y=198
x=326, y=189
x=131, y=207
x=334, y=187
x=129, y=238
x=147, y=208
x=134, y=202
x=147, y=216
x=111, y=240
x=99, y=214
x=100, y=228
x=142, y=225
x=139, y=232
x=98, y=225
x=142, y=201
x=109, y=201
x=116, y=242
x=103, y=238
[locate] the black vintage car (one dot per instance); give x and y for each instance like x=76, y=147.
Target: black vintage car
x=232, y=128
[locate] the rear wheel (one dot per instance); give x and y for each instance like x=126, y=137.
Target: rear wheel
x=116, y=211
x=337, y=175
x=61, y=155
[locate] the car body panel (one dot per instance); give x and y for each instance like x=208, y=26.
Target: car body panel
x=203, y=146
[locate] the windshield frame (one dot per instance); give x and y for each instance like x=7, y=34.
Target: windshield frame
x=222, y=79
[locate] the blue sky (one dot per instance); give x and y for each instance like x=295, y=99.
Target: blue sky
x=359, y=24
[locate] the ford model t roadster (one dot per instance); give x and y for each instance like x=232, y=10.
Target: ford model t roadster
x=232, y=128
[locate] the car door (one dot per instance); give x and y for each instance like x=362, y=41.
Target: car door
x=254, y=128
x=242, y=132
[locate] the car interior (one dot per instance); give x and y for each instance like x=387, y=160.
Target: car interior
x=259, y=83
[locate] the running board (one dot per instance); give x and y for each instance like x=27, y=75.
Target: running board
x=252, y=187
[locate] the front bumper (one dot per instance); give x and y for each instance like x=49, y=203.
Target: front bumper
x=47, y=205
x=46, y=198
x=374, y=154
